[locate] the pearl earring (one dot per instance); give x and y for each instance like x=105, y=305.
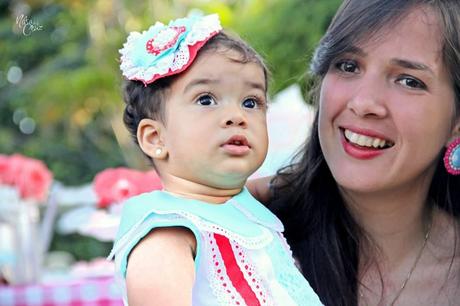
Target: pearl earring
x=158, y=151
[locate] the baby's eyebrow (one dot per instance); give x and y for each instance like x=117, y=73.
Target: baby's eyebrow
x=201, y=81
x=256, y=85
x=207, y=81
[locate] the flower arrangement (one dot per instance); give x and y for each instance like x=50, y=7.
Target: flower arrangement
x=29, y=177
x=114, y=185
x=24, y=182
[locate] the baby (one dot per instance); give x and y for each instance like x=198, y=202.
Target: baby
x=196, y=102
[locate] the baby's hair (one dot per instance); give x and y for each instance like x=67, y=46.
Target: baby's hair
x=149, y=101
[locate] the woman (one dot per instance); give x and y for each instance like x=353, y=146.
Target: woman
x=369, y=209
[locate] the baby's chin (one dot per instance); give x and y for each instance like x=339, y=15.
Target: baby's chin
x=223, y=184
x=221, y=189
x=229, y=182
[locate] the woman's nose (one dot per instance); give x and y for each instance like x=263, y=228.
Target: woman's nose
x=367, y=100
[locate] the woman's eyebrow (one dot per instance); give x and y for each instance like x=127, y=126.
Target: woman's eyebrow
x=411, y=65
x=355, y=50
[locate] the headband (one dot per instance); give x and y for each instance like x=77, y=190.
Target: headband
x=164, y=50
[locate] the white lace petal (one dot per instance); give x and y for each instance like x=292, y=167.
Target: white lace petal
x=162, y=59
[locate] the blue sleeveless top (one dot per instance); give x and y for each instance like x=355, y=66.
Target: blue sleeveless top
x=241, y=258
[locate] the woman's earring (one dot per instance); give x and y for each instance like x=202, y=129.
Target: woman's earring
x=158, y=151
x=452, y=157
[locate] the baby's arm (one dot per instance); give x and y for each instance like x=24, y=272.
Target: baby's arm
x=260, y=188
x=161, y=268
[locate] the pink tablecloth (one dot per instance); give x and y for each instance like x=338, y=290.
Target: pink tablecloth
x=83, y=292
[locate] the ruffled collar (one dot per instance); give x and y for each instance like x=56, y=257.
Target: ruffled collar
x=232, y=215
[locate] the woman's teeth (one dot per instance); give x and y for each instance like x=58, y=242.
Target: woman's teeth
x=366, y=141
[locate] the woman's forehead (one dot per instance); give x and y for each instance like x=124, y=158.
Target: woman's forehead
x=420, y=17
x=417, y=34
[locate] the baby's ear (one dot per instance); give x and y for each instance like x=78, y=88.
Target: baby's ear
x=150, y=138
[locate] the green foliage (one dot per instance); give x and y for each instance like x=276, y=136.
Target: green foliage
x=70, y=84
x=81, y=247
x=286, y=33
x=69, y=88
x=70, y=76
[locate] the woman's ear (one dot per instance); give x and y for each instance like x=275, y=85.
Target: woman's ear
x=150, y=136
x=455, y=132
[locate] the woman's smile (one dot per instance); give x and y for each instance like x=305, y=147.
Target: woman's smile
x=362, y=146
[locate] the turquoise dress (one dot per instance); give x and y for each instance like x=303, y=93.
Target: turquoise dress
x=242, y=257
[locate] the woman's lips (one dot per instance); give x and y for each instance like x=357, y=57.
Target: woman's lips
x=365, y=138
x=363, y=146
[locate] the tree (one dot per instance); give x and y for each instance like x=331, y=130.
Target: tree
x=59, y=86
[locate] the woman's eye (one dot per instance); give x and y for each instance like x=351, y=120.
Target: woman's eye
x=411, y=82
x=347, y=66
x=250, y=103
x=206, y=100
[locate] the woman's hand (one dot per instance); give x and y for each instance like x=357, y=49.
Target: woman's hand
x=260, y=188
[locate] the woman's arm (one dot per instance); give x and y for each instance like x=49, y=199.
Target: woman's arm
x=161, y=268
x=260, y=188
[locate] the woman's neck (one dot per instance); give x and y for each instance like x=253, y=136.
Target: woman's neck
x=396, y=222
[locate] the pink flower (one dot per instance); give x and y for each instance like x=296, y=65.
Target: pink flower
x=151, y=181
x=3, y=168
x=31, y=177
x=115, y=185
x=13, y=169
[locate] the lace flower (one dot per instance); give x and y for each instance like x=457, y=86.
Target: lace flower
x=165, y=50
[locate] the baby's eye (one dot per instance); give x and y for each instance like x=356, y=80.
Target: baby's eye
x=206, y=100
x=347, y=66
x=411, y=82
x=250, y=103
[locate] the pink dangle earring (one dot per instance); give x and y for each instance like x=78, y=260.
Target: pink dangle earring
x=452, y=157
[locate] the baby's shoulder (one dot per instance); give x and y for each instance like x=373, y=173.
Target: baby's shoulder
x=168, y=239
x=157, y=261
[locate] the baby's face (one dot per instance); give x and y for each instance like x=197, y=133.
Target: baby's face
x=215, y=129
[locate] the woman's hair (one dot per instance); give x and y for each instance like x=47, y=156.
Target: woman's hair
x=149, y=101
x=323, y=235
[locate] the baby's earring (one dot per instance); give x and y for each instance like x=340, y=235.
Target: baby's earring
x=158, y=151
x=452, y=157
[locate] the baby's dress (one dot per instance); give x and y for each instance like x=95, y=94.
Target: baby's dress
x=242, y=257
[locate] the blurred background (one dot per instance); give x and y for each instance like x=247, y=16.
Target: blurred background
x=60, y=98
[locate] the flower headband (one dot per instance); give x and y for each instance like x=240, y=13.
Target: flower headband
x=165, y=50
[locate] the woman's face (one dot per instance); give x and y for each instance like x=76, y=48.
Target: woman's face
x=387, y=109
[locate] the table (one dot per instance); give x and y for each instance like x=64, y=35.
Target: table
x=99, y=291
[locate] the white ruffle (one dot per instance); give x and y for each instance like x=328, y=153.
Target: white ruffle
x=200, y=31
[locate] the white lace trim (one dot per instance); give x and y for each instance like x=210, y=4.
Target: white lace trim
x=256, y=242
x=221, y=285
x=201, y=30
x=250, y=274
x=276, y=225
